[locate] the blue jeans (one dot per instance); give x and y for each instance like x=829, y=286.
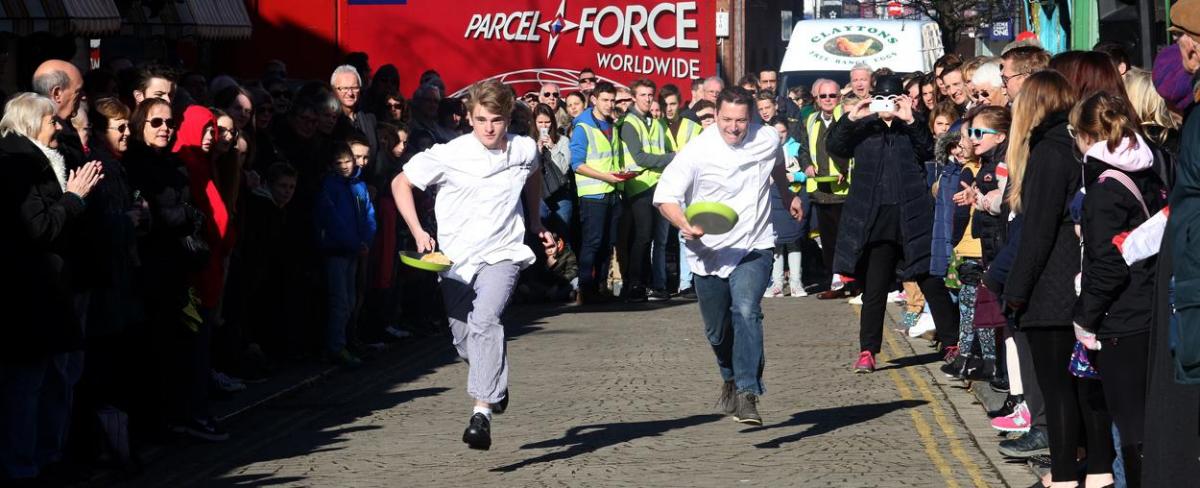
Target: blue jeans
x=658, y=253
x=732, y=312
x=34, y=412
x=556, y=212
x=598, y=224
x=340, y=274
x=685, y=270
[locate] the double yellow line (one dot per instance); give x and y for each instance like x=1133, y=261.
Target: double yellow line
x=939, y=416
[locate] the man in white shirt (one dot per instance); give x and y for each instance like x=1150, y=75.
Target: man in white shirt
x=486, y=179
x=733, y=163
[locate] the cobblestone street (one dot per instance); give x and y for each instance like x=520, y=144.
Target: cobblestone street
x=615, y=396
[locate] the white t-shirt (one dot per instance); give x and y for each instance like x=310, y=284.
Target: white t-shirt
x=709, y=170
x=478, y=207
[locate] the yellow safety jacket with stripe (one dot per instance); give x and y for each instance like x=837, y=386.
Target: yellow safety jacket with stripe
x=810, y=125
x=688, y=129
x=653, y=142
x=601, y=156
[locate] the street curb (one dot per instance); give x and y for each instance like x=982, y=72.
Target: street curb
x=971, y=410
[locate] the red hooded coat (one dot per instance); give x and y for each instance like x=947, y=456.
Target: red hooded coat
x=209, y=282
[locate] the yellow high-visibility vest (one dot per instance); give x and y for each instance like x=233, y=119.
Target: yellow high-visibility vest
x=653, y=142
x=600, y=157
x=842, y=188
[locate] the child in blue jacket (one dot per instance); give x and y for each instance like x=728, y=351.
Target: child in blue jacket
x=345, y=223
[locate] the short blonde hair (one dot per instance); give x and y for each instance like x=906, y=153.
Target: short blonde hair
x=23, y=114
x=493, y=95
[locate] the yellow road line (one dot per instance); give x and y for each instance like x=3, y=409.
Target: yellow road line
x=939, y=416
x=926, y=433
x=923, y=429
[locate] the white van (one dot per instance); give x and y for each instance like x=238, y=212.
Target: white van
x=828, y=48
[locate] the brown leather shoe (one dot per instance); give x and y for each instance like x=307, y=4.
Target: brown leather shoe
x=833, y=294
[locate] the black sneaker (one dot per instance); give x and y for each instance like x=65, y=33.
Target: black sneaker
x=636, y=294
x=955, y=369
x=688, y=293
x=205, y=430
x=658, y=295
x=1010, y=404
x=999, y=382
x=727, y=402
x=479, y=432
x=1033, y=443
x=746, y=411
x=499, y=408
x=980, y=370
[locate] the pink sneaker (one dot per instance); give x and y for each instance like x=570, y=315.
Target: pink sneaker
x=866, y=362
x=1018, y=421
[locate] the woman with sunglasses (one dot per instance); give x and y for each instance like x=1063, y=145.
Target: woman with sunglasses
x=159, y=176
x=1043, y=179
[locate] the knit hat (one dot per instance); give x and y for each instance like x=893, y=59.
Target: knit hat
x=947, y=142
x=1171, y=81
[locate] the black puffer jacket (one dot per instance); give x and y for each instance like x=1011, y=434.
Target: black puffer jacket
x=1116, y=299
x=873, y=144
x=1043, y=275
x=37, y=220
x=988, y=228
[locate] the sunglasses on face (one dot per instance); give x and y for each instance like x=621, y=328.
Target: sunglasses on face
x=977, y=133
x=120, y=128
x=549, y=94
x=1006, y=79
x=827, y=96
x=981, y=94
x=396, y=106
x=159, y=121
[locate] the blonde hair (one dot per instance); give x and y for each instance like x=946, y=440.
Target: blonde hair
x=970, y=66
x=1146, y=101
x=1102, y=118
x=1044, y=93
x=23, y=114
x=492, y=95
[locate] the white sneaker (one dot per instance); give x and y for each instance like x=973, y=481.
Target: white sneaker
x=798, y=292
x=226, y=382
x=924, y=324
x=856, y=300
x=397, y=332
x=897, y=297
x=772, y=292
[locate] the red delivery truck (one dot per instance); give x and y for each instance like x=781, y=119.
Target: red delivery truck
x=522, y=43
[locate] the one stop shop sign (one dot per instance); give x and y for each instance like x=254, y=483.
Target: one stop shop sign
x=526, y=43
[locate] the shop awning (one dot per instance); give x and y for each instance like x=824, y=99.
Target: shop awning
x=60, y=17
x=201, y=19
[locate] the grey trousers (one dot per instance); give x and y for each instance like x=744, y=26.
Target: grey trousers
x=474, y=311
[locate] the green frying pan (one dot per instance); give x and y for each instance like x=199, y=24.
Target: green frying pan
x=714, y=218
x=414, y=259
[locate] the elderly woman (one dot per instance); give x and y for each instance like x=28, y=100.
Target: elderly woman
x=989, y=86
x=42, y=202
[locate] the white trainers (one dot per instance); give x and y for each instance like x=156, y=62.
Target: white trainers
x=924, y=324
x=897, y=297
x=855, y=300
x=774, y=291
x=798, y=292
x=397, y=332
x=226, y=382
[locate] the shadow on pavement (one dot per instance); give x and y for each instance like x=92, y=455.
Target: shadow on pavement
x=588, y=438
x=918, y=360
x=827, y=420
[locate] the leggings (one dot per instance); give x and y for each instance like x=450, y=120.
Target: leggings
x=967, y=332
x=1073, y=406
x=877, y=267
x=1122, y=364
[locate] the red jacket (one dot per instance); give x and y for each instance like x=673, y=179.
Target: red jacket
x=210, y=281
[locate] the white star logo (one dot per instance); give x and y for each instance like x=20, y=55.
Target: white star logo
x=557, y=26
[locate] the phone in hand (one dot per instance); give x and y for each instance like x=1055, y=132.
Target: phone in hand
x=544, y=131
x=883, y=106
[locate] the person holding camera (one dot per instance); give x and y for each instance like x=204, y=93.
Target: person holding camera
x=888, y=214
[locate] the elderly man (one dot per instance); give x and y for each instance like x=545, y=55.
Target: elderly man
x=860, y=81
x=708, y=90
x=827, y=198
x=549, y=96
x=1017, y=64
x=62, y=83
x=347, y=85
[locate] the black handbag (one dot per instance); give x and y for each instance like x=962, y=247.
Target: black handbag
x=195, y=249
x=553, y=178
